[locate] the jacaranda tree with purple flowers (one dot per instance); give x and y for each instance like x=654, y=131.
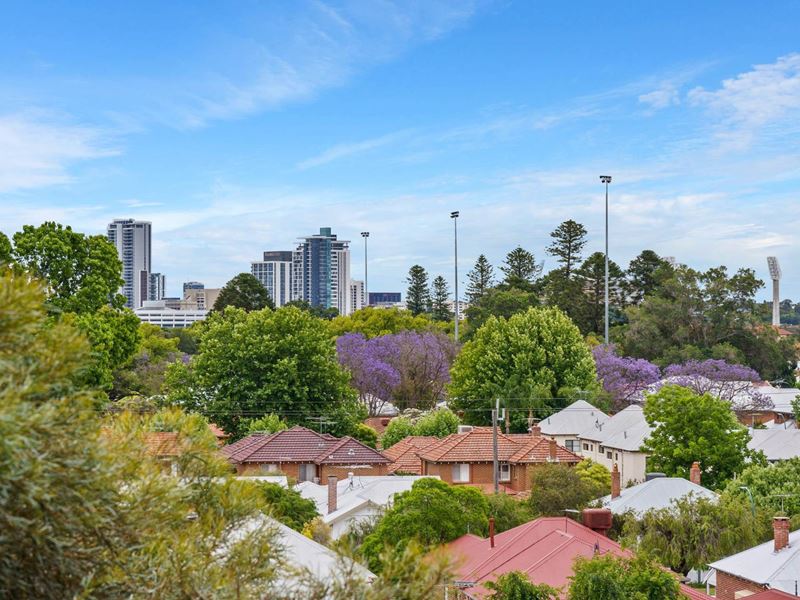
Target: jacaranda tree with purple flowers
x=410, y=369
x=624, y=378
x=721, y=379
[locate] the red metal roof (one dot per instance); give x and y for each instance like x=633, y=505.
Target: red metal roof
x=477, y=446
x=404, y=455
x=545, y=549
x=771, y=595
x=301, y=445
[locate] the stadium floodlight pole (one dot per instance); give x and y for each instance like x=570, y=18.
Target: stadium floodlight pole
x=454, y=216
x=365, y=235
x=606, y=179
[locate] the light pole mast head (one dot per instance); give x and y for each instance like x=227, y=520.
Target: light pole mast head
x=605, y=179
x=454, y=214
x=774, y=268
x=365, y=234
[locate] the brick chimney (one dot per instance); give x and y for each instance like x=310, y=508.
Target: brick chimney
x=536, y=431
x=695, y=473
x=332, y=493
x=780, y=528
x=553, y=450
x=616, y=487
x=491, y=532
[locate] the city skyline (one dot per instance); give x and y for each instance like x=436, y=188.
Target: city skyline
x=234, y=132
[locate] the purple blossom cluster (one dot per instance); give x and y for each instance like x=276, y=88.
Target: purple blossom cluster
x=410, y=369
x=624, y=378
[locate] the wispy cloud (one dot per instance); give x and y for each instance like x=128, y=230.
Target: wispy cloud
x=38, y=149
x=349, y=149
x=666, y=95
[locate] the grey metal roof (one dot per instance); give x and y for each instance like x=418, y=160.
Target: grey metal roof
x=776, y=444
x=655, y=494
x=761, y=564
x=573, y=419
x=626, y=430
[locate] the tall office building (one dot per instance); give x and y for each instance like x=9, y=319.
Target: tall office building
x=275, y=273
x=358, y=299
x=192, y=285
x=321, y=271
x=132, y=239
x=157, y=287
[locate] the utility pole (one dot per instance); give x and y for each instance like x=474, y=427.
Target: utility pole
x=365, y=235
x=606, y=179
x=495, y=462
x=454, y=216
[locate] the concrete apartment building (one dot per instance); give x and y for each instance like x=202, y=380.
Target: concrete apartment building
x=358, y=299
x=157, y=288
x=199, y=299
x=274, y=272
x=321, y=271
x=132, y=240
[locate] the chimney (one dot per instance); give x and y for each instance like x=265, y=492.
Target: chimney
x=332, y=493
x=491, y=532
x=536, y=431
x=599, y=520
x=553, y=450
x=616, y=488
x=695, y=473
x=780, y=528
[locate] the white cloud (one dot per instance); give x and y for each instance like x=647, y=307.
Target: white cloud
x=752, y=101
x=349, y=149
x=38, y=150
x=663, y=97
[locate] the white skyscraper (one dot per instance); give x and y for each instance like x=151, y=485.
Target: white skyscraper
x=132, y=239
x=157, y=288
x=358, y=299
x=275, y=274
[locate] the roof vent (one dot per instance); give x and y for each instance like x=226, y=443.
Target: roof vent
x=651, y=476
x=351, y=452
x=464, y=428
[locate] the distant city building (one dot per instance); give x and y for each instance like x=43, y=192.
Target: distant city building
x=192, y=285
x=462, y=308
x=275, y=273
x=384, y=298
x=157, y=313
x=132, y=240
x=199, y=299
x=357, y=298
x=172, y=302
x=156, y=290
x=321, y=271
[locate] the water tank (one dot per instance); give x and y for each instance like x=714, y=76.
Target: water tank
x=464, y=428
x=650, y=476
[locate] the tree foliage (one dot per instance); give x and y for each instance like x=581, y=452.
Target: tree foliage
x=687, y=427
x=591, y=278
x=373, y=322
x=286, y=505
x=558, y=487
x=520, y=269
x=144, y=373
x=440, y=297
x=243, y=291
x=432, y=512
x=609, y=577
x=418, y=295
x=270, y=423
x=508, y=512
x=261, y=362
x=440, y=423
x=515, y=585
x=644, y=275
x=774, y=488
x=569, y=238
x=536, y=352
x=481, y=279
x=624, y=378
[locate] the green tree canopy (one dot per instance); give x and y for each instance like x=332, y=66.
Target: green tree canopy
x=481, y=279
x=144, y=372
x=270, y=423
x=515, y=585
x=418, y=295
x=508, y=512
x=252, y=364
x=439, y=422
x=440, y=297
x=569, y=238
x=432, y=512
x=591, y=278
x=286, y=505
x=82, y=273
x=609, y=577
x=501, y=301
x=558, y=487
x=688, y=427
x=540, y=349
x=374, y=322
x=5, y=249
x=644, y=275
x=243, y=291
x=398, y=428
x=774, y=488
x=520, y=269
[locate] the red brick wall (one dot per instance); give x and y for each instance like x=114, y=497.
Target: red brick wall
x=292, y=470
x=728, y=585
x=480, y=473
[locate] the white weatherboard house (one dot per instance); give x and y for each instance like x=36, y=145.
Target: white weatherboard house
x=618, y=441
x=345, y=502
x=566, y=424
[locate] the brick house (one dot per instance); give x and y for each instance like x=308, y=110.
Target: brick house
x=467, y=457
x=304, y=455
x=774, y=565
x=404, y=455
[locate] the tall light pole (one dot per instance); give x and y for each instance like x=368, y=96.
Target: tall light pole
x=454, y=216
x=606, y=179
x=365, y=235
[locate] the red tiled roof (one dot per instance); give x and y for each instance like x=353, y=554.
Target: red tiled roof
x=477, y=446
x=404, y=455
x=545, y=549
x=162, y=443
x=301, y=445
x=218, y=432
x=379, y=424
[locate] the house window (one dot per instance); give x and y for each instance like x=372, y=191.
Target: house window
x=505, y=471
x=616, y=456
x=601, y=449
x=586, y=447
x=574, y=445
x=609, y=454
x=307, y=472
x=461, y=473
x=267, y=468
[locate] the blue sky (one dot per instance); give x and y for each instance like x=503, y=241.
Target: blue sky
x=237, y=127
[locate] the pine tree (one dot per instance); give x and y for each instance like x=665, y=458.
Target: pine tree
x=520, y=268
x=418, y=295
x=440, y=311
x=481, y=278
x=569, y=238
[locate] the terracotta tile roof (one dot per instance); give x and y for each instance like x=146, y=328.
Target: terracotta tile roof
x=301, y=445
x=379, y=424
x=477, y=446
x=404, y=455
x=162, y=443
x=545, y=549
x=218, y=432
